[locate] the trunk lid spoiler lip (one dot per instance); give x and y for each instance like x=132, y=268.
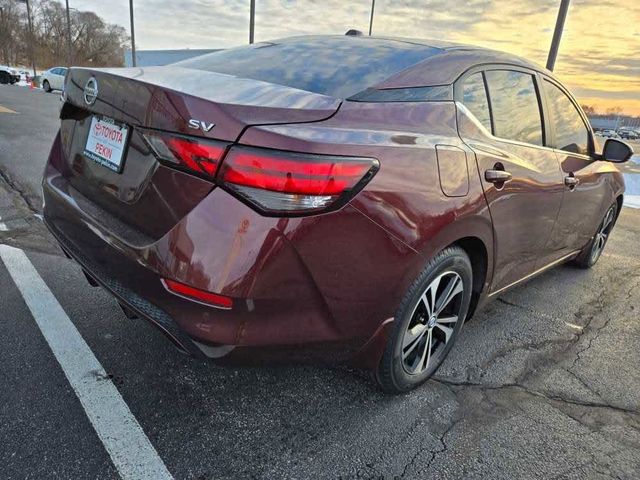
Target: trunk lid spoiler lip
x=235, y=90
x=168, y=97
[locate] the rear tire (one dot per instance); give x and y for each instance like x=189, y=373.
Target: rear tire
x=592, y=252
x=427, y=323
x=46, y=86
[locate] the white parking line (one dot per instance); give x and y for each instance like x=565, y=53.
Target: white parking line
x=131, y=452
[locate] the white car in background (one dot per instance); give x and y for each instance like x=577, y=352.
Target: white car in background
x=25, y=76
x=53, y=79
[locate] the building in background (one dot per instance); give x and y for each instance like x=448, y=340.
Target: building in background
x=150, y=58
x=613, y=122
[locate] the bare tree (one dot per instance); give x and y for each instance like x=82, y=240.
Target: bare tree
x=94, y=42
x=12, y=18
x=588, y=109
x=614, y=111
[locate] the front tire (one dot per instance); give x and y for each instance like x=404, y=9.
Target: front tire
x=427, y=323
x=5, y=78
x=590, y=254
x=46, y=86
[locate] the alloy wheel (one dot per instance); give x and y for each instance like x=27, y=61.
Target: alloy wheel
x=432, y=323
x=603, y=234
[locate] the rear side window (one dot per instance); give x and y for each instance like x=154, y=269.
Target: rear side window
x=515, y=106
x=336, y=66
x=474, y=97
x=571, y=133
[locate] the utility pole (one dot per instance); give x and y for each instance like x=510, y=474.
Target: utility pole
x=133, y=35
x=252, y=20
x=31, y=50
x=33, y=55
x=373, y=6
x=5, y=56
x=69, y=52
x=557, y=34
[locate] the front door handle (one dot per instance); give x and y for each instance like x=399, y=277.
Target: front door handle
x=571, y=181
x=497, y=176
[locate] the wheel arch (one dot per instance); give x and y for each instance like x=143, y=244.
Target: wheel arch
x=477, y=251
x=619, y=201
x=474, y=234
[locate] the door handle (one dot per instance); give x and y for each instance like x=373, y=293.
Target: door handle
x=571, y=181
x=497, y=176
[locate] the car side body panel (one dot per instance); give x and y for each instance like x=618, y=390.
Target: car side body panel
x=524, y=209
x=600, y=183
x=538, y=220
x=405, y=198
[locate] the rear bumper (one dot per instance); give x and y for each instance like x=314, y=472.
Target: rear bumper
x=141, y=307
x=253, y=328
x=278, y=312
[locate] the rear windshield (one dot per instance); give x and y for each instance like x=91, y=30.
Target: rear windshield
x=336, y=66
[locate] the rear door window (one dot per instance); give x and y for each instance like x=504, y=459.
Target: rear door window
x=572, y=134
x=474, y=97
x=515, y=106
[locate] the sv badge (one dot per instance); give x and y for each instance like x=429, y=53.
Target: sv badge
x=200, y=125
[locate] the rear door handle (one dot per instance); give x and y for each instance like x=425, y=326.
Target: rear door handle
x=571, y=181
x=497, y=176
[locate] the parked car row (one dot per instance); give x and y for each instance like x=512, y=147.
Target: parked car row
x=629, y=134
x=50, y=80
x=624, y=132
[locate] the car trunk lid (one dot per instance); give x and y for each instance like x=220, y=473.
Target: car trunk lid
x=145, y=196
x=166, y=98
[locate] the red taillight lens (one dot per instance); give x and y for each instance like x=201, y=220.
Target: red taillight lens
x=197, y=295
x=285, y=182
x=195, y=155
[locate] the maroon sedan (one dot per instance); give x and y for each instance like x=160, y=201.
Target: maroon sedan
x=330, y=197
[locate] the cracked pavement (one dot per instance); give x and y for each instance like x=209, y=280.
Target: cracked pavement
x=543, y=383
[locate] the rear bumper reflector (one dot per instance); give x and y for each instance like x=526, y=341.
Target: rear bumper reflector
x=196, y=295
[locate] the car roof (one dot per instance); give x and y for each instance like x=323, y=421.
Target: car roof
x=452, y=62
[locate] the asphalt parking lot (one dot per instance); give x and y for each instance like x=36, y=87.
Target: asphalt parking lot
x=544, y=383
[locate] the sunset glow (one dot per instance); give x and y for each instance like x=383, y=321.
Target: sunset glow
x=599, y=55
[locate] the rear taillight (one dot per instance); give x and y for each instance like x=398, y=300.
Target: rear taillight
x=274, y=182
x=198, y=156
x=287, y=183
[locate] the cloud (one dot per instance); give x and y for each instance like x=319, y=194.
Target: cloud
x=599, y=51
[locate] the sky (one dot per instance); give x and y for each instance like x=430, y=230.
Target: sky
x=599, y=57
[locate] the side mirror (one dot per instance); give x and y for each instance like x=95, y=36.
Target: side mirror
x=616, y=151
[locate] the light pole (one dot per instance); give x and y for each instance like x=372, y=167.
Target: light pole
x=557, y=34
x=33, y=58
x=252, y=20
x=4, y=50
x=133, y=35
x=373, y=6
x=69, y=52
